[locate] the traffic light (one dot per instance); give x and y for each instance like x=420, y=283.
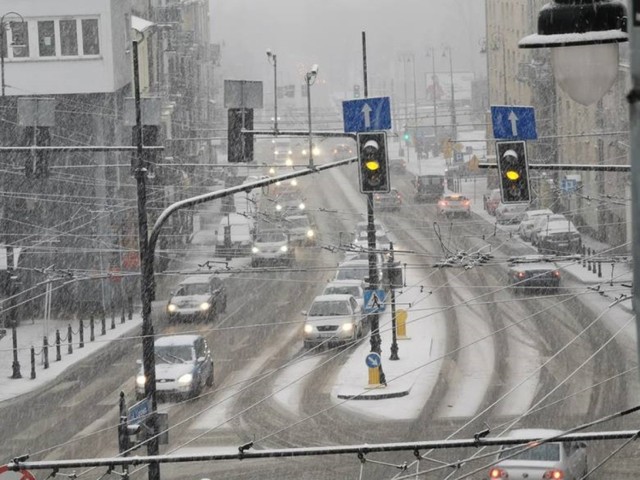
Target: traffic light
x=239, y=145
x=374, y=167
x=513, y=170
x=406, y=136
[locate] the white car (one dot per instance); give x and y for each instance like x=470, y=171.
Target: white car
x=332, y=320
x=300, y=229
x=184, y=365
x=355, y=288
x=357, y=270
x=562, y=460
x=510, y=212
x=528, y=220
x=271, y=246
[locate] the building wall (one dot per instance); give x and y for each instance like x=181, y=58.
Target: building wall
x=101, y=73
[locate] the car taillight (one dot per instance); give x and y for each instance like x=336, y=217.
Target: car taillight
x=554, y=474
x=442, y=202
x=466, y=203
x=498, y=473
x=521, y=274
x=556, y=273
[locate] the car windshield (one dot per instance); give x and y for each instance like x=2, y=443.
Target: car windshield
x=267, y=237
x=174, y=354
x=193, y=289
x=352, y=273
x=329, y=308
x=354, y=291
x=549, y=452
x=298, y=222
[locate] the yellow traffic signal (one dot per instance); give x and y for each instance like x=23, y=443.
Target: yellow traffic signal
x=372, y=165
x=513, y=175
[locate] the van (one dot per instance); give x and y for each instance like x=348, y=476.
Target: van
x=239, y=239
x=428, y=188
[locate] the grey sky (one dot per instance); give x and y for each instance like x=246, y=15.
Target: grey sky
x=328, y=32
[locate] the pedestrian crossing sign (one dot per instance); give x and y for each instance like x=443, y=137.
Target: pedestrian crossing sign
x=374, y=301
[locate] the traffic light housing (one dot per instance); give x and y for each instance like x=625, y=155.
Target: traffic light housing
x=239, y=145
x=513, y=170
x=372, y=159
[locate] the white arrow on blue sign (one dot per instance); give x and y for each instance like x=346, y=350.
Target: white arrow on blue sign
x=366, y=114
x=373, y=360
x=139, y=411
x=513, y=123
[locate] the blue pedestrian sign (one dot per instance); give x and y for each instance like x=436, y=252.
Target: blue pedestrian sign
x=374, y=301
x=513, y=123
x=366, y=114
x=373, y=360
x=568, y=185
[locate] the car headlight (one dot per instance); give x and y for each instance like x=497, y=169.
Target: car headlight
x=304, y=151
x=288, y=162
x=294, y=183
x=316, y=151
x=141, y=380
x=308, y=328
x=255, y=250
x=278, y=207
x=310, y=233
x=284, y=248
x=204, y=306
x=171, y=308
x=347, y=327
x=185, y=379
x=302, y=206
x=272, y=171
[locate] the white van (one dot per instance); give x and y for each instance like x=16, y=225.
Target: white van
x=240, y=235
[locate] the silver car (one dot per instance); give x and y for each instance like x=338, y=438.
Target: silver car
x=562, y=460
x=332, y=320
x=271, y=246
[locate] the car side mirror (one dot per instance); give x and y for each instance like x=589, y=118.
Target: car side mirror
x=139, y=362
x=304, y=313
x=172, y=293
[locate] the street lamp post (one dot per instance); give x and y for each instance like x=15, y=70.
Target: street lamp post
x=434, y=95
x=406, y=102
x=310, y=78
x=454, y=128
x=274, y=61
x=3, y=45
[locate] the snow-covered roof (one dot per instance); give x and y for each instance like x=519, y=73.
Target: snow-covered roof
x=140, y=24
x=176, y=340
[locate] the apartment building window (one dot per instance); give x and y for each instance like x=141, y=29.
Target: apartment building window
x=47, y=38
x=90, y=37
x=19, y=39
x=68, y=38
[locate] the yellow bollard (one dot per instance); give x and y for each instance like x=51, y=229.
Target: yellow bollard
x=374, y=376
x=401, y=325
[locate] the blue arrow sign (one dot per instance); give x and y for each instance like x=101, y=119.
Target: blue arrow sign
x=366, y=114
x=373, y=360
x=513, y=123
x=374, y=301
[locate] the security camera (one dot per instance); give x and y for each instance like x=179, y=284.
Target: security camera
x=314, y=69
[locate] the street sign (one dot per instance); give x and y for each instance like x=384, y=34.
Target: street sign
x=374, y=301
x=138, y=411
x=458, y=157
x=366, y=114
x=6, y=474
x=373, y=360
x=568, y=185
x=513, y=122
x=242, y=94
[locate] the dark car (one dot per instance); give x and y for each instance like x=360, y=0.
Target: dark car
x=391, y=201
x=428, y=188
x=533, y=273
x=200, y=297
x=184, y=365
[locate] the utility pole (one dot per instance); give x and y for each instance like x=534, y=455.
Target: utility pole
x=394, y=338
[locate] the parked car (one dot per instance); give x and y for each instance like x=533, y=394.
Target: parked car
x=557, y=235
x=532, y=273
x=272, y=247
x=398, y=165
x=510, y=212
x=543, y=221
x=391, y=201
x=528, y=220
x=300, y=229
x=332, y=320
x=201, y=297
x=428, y=188
x=454, y=205
x=491, y=201
x=184, y=365
x=561, y=460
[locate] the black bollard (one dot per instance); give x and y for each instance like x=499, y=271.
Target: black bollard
x=81, y=333
x=122, y=317
x=70, y=339
x=584, y=256
x=130, y=303
x=599, y=269
x=113, y=317
x=92, y=329
x=45, y=351
x=58, y=340
x=589, y=259
x=33, y=362
x=103, y=321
